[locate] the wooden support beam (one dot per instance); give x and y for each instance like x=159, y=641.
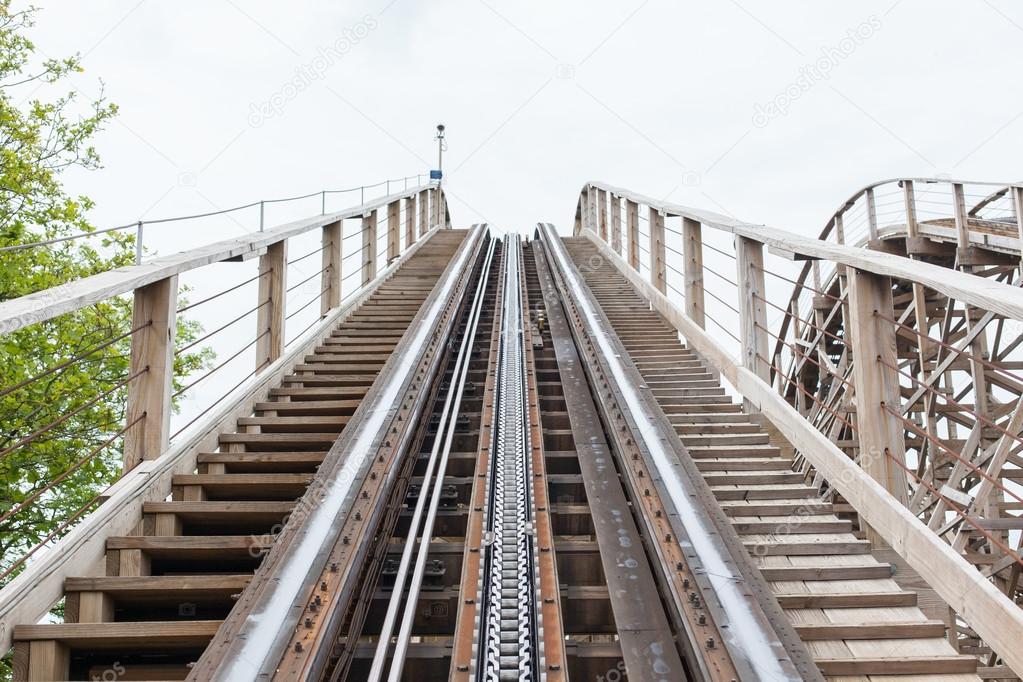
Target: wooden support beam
x=410, y=221
x=616, y=223
x=658, y=272
x=871, y=215
x=393, y=230
x=692, y=250
x=602, y=213
x=909, y=202
x=1017, y=202
x=369, y=246
x=273, y=284
x=881, y=434
x=330, y=283
x=749, y=265
x=632, y=227
x=152, y=359
x=424, y=212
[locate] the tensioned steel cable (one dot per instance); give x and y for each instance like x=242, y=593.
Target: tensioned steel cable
x=438, y=460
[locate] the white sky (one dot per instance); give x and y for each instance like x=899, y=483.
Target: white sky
x=538, y=97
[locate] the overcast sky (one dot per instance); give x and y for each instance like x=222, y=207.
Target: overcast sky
x=772, y=112
x=225, y=101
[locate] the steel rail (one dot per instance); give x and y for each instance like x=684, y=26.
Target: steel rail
x=507, y=640
x=749, y=634
x=440, y=450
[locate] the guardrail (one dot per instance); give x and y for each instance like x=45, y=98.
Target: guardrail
x=698, y=267
x=348, y=252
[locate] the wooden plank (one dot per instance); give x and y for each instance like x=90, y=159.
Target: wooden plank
x=152, y=360
x=393, y=230
x=881, y=434
x=602, y=213
x=996, y=619
x=369, y=247
x=44, y=305
x=330, y=282
x=273, y=282
x=883, y=630
x=897, y=665
x=410, y=221
x=692, y=251
x=162, y=635
x=658, y=255
x=29, y=596
x=845, y=600
x=749, y=268
x=424, y=212
x=616, y=223
x=632, y=226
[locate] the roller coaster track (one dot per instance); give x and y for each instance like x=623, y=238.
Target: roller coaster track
x=671, y=446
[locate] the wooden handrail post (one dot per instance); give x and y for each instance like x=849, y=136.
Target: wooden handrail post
x=881, y=435
x=591, y=209
x=749, y=266
x=658, y=273
x=692, y=249
x=909, y=201
x=393, y=230
x=871, y=215
x=152, y=353
x=578, y=229
x=424, y=212
x=632, y=227
x=410, y=221
x=273, y=285
x=331, y=278
x=1017, y=202
x=602, y=213
x=616, y=224
x=369, y=247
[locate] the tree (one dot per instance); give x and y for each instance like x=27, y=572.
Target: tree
x=62, y=382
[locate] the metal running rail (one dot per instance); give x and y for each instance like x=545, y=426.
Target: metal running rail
x=432, y=491
x=506, y=644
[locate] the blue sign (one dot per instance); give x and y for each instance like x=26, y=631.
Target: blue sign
x=435, y=175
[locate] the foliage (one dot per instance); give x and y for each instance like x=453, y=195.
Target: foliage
x=79, y=455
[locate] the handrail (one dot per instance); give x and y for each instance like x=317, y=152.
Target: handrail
x=993, y=296
x=49, y=303
x=866, y=484
x=30, y=595
x=139, y=224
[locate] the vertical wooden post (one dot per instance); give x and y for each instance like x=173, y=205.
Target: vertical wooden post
x=47, y=660
x=393, y=230
x=1017, y=202
x=410, y=221
x=273, y=285
x=424, y=212
x=152, y=354
x=881, y=434
x=692, y=250
x=632, y=227
x=871, y=215
x=978, y=347
x=749, y=265
x=658, y=275
x=602, y=214
x=616, y=224
x=591, y=209
x=331, y=278
x=579, y=211
x=909, y=200
x=369, y=247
